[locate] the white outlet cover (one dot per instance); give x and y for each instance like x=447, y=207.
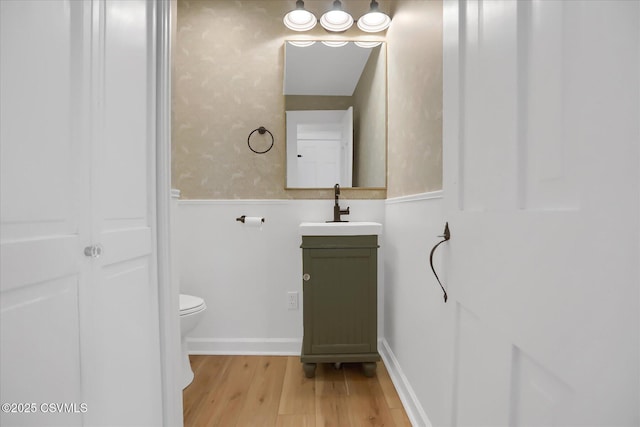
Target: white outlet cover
x=292, y=300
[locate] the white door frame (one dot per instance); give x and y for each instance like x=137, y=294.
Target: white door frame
x=167, y=298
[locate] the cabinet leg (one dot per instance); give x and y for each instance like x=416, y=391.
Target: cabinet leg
x=369, y=369
x=309, y=369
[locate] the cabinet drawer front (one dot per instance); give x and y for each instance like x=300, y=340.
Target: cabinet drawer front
x=326, y=242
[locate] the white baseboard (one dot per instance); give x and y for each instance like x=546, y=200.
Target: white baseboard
x=412, y=406
x=245, y=346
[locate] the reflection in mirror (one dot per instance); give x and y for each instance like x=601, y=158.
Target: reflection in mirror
x=335, y=101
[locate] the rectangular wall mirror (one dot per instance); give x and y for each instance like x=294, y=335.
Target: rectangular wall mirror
x=336, y=114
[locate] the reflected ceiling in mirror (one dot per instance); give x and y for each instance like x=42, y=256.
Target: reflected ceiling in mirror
x=345, y=81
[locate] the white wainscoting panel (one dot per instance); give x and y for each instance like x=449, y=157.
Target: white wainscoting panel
x=418, y=326
x=244, y=273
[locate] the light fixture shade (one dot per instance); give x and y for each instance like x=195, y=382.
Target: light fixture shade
x=300, y=19
x=302, y=43
x=374, y=20
x=330, y=43
x=367, y=45
x=336, y=19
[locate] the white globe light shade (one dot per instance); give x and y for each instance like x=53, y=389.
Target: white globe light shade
x=336, y=19
x=300, y=19
x=302, y=43
x=374, y=20
x=330, y=43
x=367, y=45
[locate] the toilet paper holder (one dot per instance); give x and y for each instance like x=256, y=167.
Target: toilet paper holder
x=243, y=217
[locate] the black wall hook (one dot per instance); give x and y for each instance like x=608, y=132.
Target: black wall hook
x=446, y=234
x=445, y=237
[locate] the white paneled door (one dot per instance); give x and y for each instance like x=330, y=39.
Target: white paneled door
x=79, y=297
x=541, y=125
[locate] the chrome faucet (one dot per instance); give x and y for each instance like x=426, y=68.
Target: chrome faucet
x=337, y=212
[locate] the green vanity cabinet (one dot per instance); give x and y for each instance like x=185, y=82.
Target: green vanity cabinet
x=340, y=301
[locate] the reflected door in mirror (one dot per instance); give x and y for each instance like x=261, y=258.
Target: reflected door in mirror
x=320, y=148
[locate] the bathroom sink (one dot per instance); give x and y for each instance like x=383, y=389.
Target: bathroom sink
x=340, y=228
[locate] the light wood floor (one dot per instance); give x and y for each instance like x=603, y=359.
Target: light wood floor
x=251, y=391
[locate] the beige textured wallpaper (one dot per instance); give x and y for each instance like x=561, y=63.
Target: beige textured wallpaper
x=228, y=70
x=370, y=123
x=317, y=102
x=415, y=98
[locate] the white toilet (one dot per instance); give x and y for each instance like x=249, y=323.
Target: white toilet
x=191, y=311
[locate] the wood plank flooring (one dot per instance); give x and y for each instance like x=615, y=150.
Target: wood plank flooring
x=272, y=391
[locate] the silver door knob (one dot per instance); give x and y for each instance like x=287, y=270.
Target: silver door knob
x=93, y=251
x=306, y=277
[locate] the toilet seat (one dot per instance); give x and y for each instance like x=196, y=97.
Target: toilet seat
x=190, y=304
x=192, y=310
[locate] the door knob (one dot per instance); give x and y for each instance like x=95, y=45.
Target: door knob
x=306, y=277
x=93, y=251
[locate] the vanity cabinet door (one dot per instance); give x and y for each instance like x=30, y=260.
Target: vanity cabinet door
x=340, y=296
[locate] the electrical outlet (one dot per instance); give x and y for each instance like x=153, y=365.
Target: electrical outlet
x=292, y=300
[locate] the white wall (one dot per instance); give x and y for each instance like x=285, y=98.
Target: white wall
x=418, y=324
x=244, y=273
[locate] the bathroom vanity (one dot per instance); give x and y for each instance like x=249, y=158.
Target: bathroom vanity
x=340, y=294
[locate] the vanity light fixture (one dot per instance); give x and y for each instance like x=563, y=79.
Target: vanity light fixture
x=374, y=20
x=336, y=19
x=300, y=19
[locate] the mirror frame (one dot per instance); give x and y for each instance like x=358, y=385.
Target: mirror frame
x=386, y=110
